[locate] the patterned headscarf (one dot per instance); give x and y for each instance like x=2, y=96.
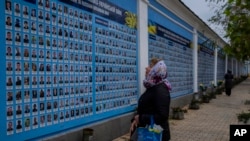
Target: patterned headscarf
x=157, y=75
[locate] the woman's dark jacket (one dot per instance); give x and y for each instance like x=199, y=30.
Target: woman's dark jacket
x=229, y=80
x=155, y=101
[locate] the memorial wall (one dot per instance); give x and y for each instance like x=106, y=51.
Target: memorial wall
x=68, y=63
x=220, y=65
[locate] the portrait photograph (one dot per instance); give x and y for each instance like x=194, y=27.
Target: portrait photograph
x=25, y=11
x=33, y=13
x=35, y=121
x=17, y=9
x=9, y=96
x=18, y=81
x=40, y=15
x=10, y=127
x=9, y=81
x=47, y=4
x=9, y=111
x=26, y=39
x=8, y=21
x=9, y=66
x=8, y=7
x=19, y=125
x=8, y=36
x=40, y=3
x=42, y=121
x=54, y=6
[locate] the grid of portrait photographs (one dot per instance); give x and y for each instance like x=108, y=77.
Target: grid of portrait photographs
x=116, y=71
x=50, y=70
x=221, y=67
x=205, y=68
x=234, y=69
x=178, y=59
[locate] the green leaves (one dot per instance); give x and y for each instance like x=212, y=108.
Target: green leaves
x=234, y=16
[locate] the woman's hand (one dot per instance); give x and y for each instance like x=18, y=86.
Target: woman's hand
x=134, y=124
x=136, y=118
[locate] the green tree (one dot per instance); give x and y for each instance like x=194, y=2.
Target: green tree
x=234, y=16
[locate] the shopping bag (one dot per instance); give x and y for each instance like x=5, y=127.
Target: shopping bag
x=152, y=132
x=134, y=135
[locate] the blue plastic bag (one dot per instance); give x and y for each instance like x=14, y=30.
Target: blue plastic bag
x=148, y=134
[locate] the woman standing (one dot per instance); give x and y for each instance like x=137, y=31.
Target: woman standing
x=228, y=82
x=155, y=101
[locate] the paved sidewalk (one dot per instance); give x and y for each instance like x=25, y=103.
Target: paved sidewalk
x=212, y=121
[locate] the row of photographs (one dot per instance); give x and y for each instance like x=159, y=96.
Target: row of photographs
x=49, y=20
x=60, y=55
x=45, y=107
x=57, y=9
x=26, y=12
x=56, y=28
x=73, y=70
x=175, y=57
x=60, y=43
x=171, y=50
x=43, y=120
x=28, y=109
x=40, y=40
x=173, y=61
x=19, y=111
x=35, y=80
x=42, y=94
x=68, y=92
x=65, y=31
x=29, y=122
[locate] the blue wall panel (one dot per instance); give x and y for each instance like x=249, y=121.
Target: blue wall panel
x=78, y=64
x=221, y=65
x=170, y=42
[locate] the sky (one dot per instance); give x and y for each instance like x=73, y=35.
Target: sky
x=199, y=7
x=204, y=10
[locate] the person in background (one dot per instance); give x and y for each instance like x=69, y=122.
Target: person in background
x=155, y=101
x=228, y=82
